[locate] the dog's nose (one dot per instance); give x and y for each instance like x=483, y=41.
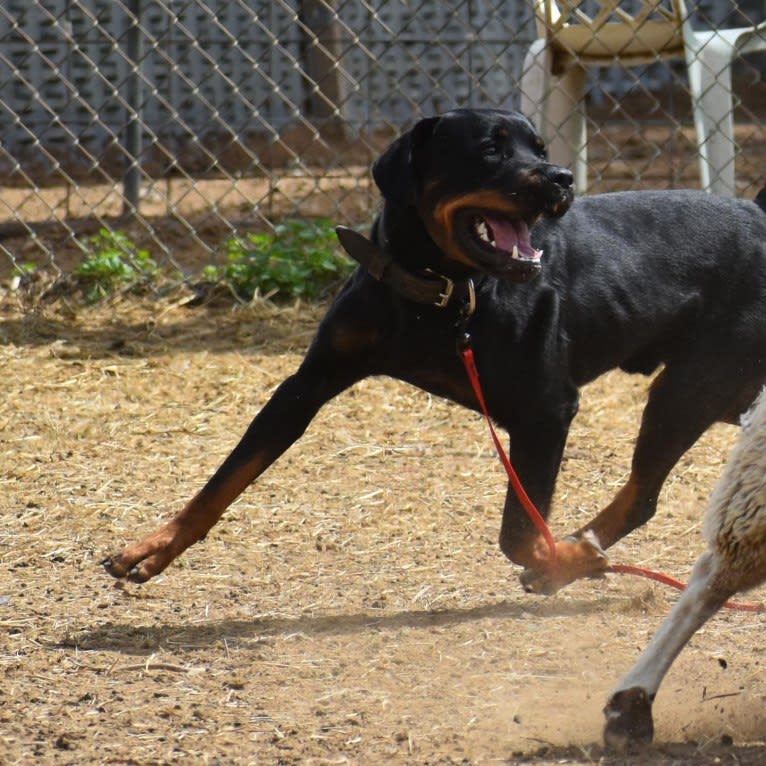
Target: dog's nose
x=561, y=177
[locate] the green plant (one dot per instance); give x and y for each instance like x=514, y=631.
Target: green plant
x=112, y=262
x=24, y=268
x=299, y=258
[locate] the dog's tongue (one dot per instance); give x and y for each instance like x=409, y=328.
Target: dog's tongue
x=507, y=235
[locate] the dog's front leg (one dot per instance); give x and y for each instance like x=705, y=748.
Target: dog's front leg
x=280, y=423
x=536, y=452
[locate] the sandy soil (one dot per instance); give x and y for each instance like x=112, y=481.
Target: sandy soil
x=353, y=607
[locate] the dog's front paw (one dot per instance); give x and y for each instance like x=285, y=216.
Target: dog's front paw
x=576, y=557
x=540, y=582
x=130, y=567
x=629, y=722
x=143, y=560
x=535, y=581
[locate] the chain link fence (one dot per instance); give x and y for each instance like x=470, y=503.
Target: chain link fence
x=181, y=124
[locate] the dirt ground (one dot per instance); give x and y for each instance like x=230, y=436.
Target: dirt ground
x=353, y=606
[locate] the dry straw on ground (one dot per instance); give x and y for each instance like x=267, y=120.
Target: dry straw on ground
x=353, y=606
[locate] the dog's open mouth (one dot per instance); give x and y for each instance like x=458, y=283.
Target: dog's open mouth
x=504, y=236
x=498, y=244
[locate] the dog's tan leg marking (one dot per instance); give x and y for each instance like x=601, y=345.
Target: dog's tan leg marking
x=146, y=558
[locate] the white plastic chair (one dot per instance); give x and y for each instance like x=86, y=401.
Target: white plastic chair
x=571, y=42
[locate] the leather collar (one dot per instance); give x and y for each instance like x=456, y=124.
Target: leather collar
x=428, y=288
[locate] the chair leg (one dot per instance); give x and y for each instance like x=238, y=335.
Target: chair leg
x=709, y=65
x=555, y=105
x=566, y=124
x=534, y=82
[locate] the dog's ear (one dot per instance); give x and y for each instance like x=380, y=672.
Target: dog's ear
x=395, y=171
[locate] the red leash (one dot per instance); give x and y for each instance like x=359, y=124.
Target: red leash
x=536, y=517
x=739, y=606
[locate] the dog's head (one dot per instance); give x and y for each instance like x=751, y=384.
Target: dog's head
x=479, y=180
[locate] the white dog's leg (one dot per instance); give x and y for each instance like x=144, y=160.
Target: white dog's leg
x=629, y=709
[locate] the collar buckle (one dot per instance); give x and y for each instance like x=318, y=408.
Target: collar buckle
x=446, y=294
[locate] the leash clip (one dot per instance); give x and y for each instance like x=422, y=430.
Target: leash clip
x=470, y=306
x=467, y=310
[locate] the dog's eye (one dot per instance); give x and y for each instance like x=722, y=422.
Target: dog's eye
x=496, y=149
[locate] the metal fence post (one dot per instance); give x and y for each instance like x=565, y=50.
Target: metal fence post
x=323, y=52
x=133, y=125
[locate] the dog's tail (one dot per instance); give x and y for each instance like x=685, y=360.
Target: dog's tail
x=760, y=199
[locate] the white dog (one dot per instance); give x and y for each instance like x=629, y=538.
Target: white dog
x=735, y=528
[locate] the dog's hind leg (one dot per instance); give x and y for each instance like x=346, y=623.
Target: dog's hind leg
x=685, y=399
x=661, y=442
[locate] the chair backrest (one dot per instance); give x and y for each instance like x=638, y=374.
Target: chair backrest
x=607, y=28
x=554, y=14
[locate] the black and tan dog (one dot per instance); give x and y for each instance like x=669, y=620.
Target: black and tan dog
x=563, y=293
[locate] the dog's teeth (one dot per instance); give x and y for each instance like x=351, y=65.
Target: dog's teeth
x=515, y=252
x=483, y=232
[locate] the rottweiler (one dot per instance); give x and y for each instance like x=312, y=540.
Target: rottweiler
x=478, y=229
